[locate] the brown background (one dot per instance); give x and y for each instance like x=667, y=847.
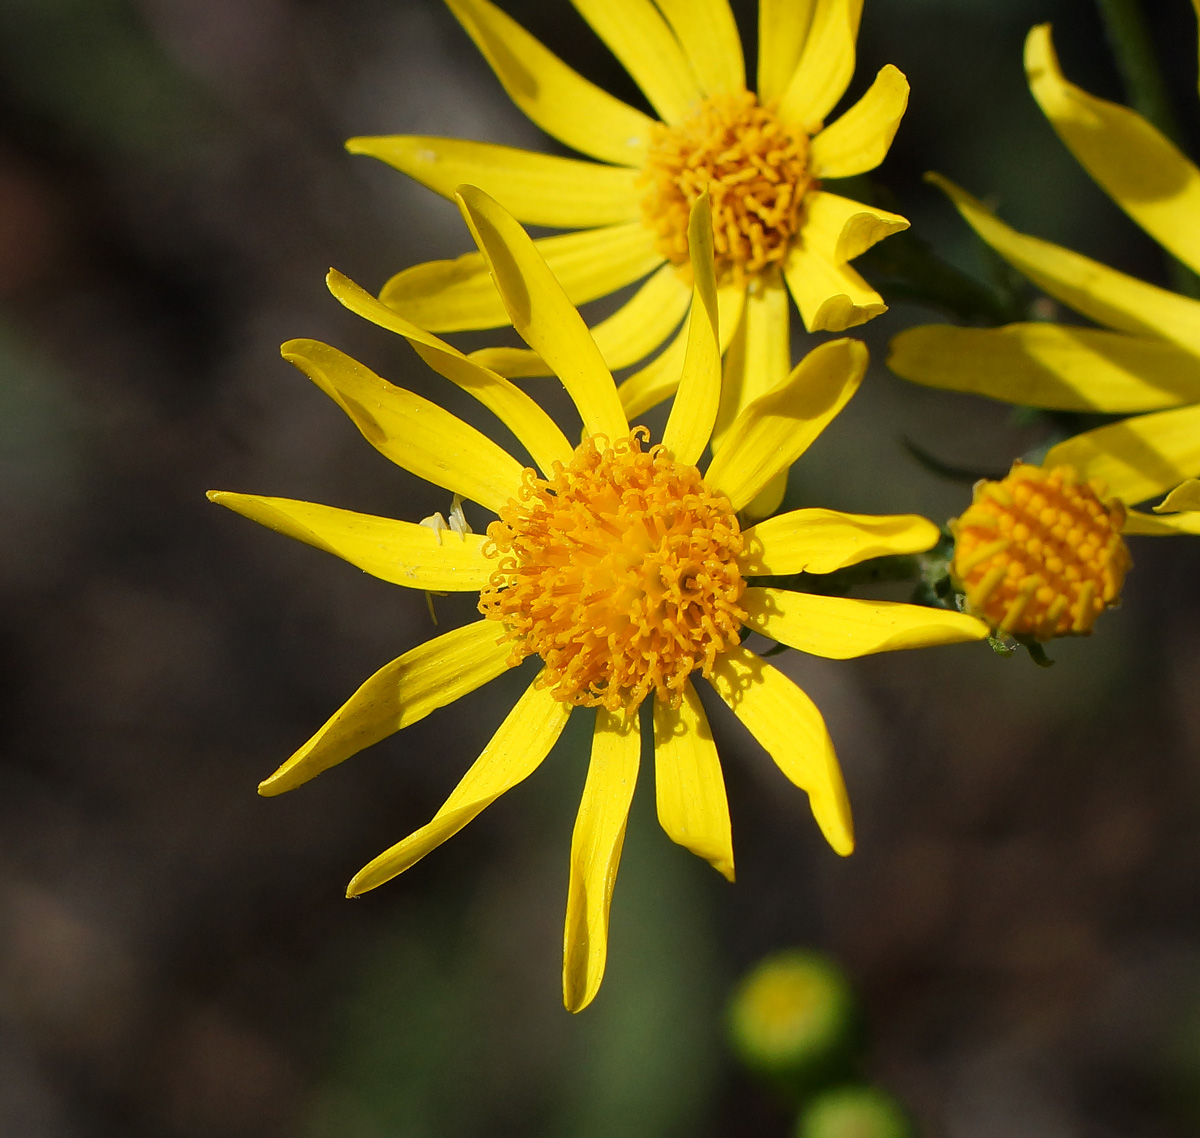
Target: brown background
x=175, y=956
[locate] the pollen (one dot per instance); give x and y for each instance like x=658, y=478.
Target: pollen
x=1040, y=553
x=756, y=173
x=620, y=571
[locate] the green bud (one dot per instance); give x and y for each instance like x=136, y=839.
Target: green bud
x=793, y=1019
x=853, y=1112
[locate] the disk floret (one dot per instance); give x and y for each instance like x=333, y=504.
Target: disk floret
x=756, y=173
x=620, y=571
x=1040, y=553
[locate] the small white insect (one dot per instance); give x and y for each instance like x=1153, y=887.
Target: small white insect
x=457, y=524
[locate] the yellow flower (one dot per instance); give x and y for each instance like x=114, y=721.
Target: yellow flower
x=761, y=156
x=623, y=568
x=1145, y=358
x=1039, y=553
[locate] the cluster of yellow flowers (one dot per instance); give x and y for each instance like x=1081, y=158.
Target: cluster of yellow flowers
x=629, y=569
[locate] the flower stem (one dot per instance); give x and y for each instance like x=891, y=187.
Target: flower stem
x=1129, y=38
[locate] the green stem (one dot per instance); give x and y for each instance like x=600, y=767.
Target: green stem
x=1129, y=38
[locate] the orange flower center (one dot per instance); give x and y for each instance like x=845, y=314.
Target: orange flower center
x=1040, y=553
x=756, y=173
x=620, y=571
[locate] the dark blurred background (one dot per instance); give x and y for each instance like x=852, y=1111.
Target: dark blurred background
x=176, y=958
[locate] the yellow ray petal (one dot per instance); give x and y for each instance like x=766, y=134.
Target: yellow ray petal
x=514, y=363
x=403, y=553
x=790, y=729
x=660, y=377
x=534, y=429
x=1050, y=365
x=657, y=381
x=692, y=807
x=1098, y=292
x=425, y=678
x=1140, y=169
x=838, y=229
x=1137, y=458
x=628, y=335
x=542, y=315
x=820, y=541
x=841, y=628
x=459, y=295
x=778, y=427
x=596, y=852
x=644, y=321
x=694, y=411
x=1185, y=496
x=710, y=39
x=758, y=358
x=639, y=37
x=831, y=297
x=826, y=65
x=1170, y=525
x=516, y=750
x=539, y=189
x=782, y=29
x=859, y=140
x=558, y=99
x=416, y=435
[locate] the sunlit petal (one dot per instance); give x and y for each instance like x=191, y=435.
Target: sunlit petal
x=759, y=354
x=826, y=64
x=838, y=229
x=859, y=140
x=403, y=553
x=831, y=297
x=710, y=39
x=596, y=852
x=459, y=295
x=516, y=750
x=1185, y=496
x=534, y=429
x=841, y=628
x=542, y=315
x=759, y=357
x=694, y=410
x=1168, y=525
x=821, y=541
x=1057, y=366
x=689, y=787
x=631, y=333
x=428, y=677
x=639, y=37
x=659, y=379
x=416, y=435
x=1137, y=166
x=790, y=729
x=778, y=427
x=538, y=189
x=1098, y=292
x=1136, y=458
x=558, y=99
x=782, y=29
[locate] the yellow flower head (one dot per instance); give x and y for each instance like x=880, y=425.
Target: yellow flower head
x=1039, y=554
x=1146, y=355
x=760, y=155
x=620, y=565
